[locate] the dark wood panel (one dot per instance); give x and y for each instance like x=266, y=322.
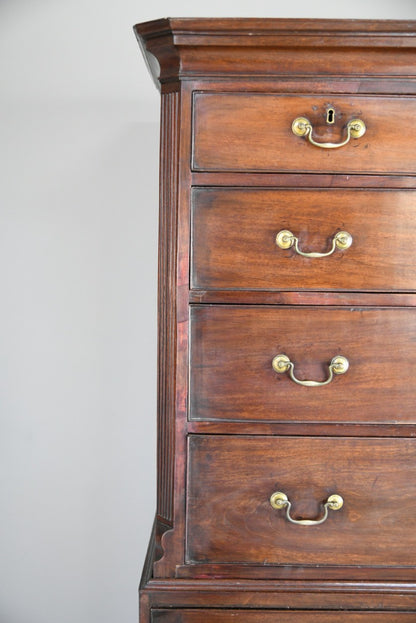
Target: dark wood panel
x=231, y=520
x=301, y=180
x=280, y=573
x=232, y=31
x=173, y=331
x=252, y=132
x=313, y=429
x=232, y=349
x=272, y=47
x=276, y=616
x=167, y=304
x=301, y=297
x=234, y=239
x=209, y=590
x=370, y=85
x=341, y=62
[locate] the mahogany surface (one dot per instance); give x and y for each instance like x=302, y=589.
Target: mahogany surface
x=232, y=378
x=190, y=47
x=231, y=520
x=253, y=132
x=230, y=430
x=248, y=616
x=234, y=239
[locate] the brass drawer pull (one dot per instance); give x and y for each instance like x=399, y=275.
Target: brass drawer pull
x=281, y=363
x=303, y=127
x=279, y=500
x=285, y=239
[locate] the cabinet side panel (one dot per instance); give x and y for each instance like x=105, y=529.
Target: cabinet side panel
x=167, y=302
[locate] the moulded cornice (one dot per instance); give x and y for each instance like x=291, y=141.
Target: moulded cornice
x=178, y=48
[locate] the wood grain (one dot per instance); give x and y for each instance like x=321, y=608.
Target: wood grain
x=252, y=132
x=244, y=81
x=234, y=239
x=277, y=616
x=232, y=348
x=231, y=520
x=167, y=304
x=217, y=591
x=303, y=297
x=250, y=48
x=301, y=180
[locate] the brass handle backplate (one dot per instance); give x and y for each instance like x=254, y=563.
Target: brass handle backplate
x=281, y=364
x=303, y=127
x=280, y=500
x=285, y=239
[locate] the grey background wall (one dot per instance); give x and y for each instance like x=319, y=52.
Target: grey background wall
x=78, y=245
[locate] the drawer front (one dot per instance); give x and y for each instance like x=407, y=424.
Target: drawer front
x=253, y=132
x=276, y=616
x=232, y=350
x=231, y=518
x=234, y=239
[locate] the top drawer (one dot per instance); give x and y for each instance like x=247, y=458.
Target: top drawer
x=253, y=132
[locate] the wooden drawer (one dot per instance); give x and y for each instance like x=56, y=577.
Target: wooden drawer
x=232, y=478
x=203, y=615
x=232, y=349
x=253, y=132
x=234, y=239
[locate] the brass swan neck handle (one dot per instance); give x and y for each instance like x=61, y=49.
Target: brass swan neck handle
x=285, y=240
x=281, y=364
x=280, y=500
x=301, y=126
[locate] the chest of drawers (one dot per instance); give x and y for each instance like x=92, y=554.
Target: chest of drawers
x=287, y=322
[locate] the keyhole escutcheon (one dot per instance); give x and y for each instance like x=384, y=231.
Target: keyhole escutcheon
x=330, y=115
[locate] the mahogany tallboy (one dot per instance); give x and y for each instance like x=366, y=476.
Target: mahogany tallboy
x=287, y=322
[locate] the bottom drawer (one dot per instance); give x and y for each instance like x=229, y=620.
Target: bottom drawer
x=277, y=616
x=231, y=485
